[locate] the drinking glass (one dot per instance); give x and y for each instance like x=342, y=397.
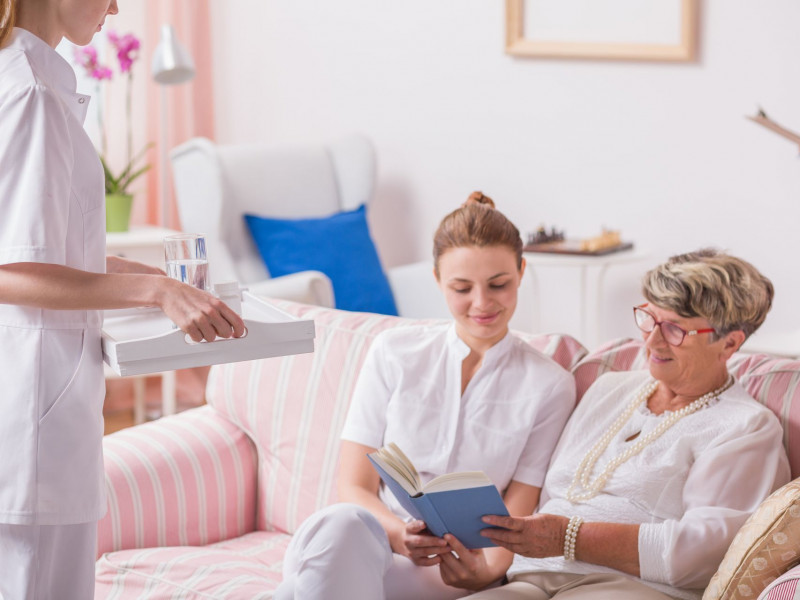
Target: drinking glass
x=186, y=259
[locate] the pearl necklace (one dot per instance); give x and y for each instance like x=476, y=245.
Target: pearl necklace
x=587, y=465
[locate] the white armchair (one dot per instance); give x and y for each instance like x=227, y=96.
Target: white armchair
x=217, y=185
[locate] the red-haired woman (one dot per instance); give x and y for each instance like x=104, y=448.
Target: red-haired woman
x=463, y=396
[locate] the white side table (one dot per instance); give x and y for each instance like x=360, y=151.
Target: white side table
x=597, y=264
x=146, y=245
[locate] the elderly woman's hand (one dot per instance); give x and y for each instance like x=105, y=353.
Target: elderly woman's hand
x=537, y=536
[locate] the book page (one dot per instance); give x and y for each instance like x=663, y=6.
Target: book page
x=403, y=461
x=397, y=465
x=457, y=481
x=393, y=474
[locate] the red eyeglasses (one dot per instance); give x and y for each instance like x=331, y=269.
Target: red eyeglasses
x=673, y=334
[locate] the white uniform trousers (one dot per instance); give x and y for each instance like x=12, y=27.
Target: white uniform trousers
x=342, y=553
x=45, y=562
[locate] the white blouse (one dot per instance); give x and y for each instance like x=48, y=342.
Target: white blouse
x=691, y=489
x=506, y=423
x=51, y=180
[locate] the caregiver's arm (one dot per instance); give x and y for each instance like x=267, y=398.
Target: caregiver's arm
x=117, y=264
x=50, y=286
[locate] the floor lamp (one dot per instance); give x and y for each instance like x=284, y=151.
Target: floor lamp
x=172, y=65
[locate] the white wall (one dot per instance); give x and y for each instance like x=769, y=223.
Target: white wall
x=660, y=151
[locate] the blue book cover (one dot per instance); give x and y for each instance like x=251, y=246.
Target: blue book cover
x=456, y=511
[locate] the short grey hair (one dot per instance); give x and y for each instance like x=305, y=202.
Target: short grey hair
x=730, y=293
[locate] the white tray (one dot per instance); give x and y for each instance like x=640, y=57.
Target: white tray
x=140, y=341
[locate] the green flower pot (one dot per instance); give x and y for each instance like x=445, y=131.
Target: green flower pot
x=118, y=211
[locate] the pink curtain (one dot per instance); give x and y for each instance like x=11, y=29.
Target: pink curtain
x=190, y=106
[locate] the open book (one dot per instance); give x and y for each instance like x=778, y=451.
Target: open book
x=452, y=503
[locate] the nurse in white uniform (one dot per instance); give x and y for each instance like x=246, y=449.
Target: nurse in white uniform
x=462, y=396
x=54, y=281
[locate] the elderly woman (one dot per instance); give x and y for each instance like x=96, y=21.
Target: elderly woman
x=656, y=470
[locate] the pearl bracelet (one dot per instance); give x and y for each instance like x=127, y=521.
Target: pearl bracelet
x=571, y=536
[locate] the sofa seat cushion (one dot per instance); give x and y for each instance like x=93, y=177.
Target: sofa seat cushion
x=245, y=567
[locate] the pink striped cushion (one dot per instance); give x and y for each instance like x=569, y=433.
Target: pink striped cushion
x=294, y=407
x=774, y=382
x=617, y=355
x=563, y=349
x=245, y=567
x=784, y=587
x=182, y=480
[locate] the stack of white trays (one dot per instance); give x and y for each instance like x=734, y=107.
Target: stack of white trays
x=140, y=341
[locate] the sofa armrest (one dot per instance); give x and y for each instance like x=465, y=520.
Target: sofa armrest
x=184, y=480
x=305, y=287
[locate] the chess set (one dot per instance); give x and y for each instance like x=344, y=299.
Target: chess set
x=555, y=242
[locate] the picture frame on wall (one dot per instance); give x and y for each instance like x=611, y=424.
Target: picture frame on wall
x=656, y=30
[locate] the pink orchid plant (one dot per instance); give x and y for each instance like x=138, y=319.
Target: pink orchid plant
x=127, y=51
x=127, y=48
x=86, y=57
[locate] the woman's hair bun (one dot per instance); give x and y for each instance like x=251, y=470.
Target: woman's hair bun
x=479, y=198
x=476, y=223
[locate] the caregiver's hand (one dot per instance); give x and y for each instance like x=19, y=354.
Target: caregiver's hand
x=201, y=315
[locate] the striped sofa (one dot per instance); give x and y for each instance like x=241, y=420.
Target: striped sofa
x=203, y=504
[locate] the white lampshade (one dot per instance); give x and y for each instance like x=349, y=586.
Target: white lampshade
x=172, y=64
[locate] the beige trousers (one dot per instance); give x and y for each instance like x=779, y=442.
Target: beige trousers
x=568, y=586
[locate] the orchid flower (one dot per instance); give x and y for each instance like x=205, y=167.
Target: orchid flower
x=127, y=50
x=86, y=57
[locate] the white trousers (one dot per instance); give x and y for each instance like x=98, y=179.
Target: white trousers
x=342, y=553
x=45, y=562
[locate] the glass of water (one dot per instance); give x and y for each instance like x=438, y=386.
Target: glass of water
x=186, y=259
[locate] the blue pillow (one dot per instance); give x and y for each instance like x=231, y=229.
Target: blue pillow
x=340, y=246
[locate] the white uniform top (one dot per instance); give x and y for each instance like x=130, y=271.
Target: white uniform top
x=506, y=423
x=691, y=489
x=53, y=211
